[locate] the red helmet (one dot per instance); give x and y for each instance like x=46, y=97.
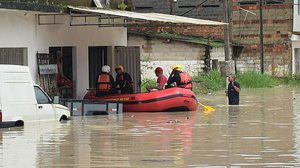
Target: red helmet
x=158, y=70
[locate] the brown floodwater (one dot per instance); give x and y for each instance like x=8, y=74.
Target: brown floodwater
x=264, y=131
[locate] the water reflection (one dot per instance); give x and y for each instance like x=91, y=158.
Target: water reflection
x=262, y=132
x=233, y=115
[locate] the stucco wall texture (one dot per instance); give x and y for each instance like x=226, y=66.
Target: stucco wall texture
x=159, y=52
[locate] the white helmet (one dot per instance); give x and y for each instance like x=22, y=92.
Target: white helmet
x=106, y=69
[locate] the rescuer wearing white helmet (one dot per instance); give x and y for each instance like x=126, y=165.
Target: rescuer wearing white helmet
x=106, y=69
x=105, y=84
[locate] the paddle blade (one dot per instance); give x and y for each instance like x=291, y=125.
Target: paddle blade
x=207, y=108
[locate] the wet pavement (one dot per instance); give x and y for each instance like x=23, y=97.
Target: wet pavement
x=264, y=131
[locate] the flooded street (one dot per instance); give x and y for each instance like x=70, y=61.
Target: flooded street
x=264, y=131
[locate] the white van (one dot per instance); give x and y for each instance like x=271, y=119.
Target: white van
x=22, y=101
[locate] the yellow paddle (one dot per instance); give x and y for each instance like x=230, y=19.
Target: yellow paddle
x=207, y=108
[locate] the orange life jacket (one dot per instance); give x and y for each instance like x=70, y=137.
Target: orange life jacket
x=185, y=81
x=104, y=82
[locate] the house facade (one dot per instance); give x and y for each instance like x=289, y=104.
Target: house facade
x=25, y=33
x=244, y=28
x=65, y=48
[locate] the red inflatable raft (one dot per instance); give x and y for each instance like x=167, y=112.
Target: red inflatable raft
x=172, y=99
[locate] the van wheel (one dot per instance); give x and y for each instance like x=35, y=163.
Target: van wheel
x=63, y=118
x=19, y=123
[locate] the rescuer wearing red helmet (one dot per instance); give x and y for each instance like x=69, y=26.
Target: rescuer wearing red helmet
x=161, y=80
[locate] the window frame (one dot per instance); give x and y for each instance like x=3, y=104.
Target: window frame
x=14, y=55
x=41, y=100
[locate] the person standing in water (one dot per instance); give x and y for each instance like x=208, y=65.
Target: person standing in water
x=233, y=91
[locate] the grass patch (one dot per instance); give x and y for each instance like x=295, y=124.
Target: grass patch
x=291, y=80
x=147, y=82
x=213, y=81
x=253, y=79
x=208, y=82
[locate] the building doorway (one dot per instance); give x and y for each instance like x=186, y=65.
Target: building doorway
x=297, y=60
x=63, y=57
x=129, y=57
x=97, y=58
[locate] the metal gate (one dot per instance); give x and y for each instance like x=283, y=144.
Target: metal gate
x=129, y=57
x=297, y=60
x=47, y=74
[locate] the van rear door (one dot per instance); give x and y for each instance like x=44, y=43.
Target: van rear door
x=17, y=97
x=45, y=108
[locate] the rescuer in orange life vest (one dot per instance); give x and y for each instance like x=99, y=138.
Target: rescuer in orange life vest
x=123, y=80
x=180, y=78
x=105, y=84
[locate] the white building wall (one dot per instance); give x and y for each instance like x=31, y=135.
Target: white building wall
x=159, y=52
x=296, y=19
x=20, y=29
x=295, y=45
x=217, y=53
x=295, y=38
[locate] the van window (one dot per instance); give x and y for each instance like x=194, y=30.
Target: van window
x=41, y=97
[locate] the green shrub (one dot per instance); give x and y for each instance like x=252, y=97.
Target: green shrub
x=253, y=79
x=147, y=82
x=204, y=83
x=208, y=82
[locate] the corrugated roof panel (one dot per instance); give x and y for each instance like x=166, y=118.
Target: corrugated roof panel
x=157, y=17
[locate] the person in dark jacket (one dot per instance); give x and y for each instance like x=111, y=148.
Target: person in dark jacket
x=105, y=84
x=233, y=91
x=180, y=78
x=123, y=80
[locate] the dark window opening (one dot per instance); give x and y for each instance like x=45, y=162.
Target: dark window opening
x=66, y=58
x=210, y=6
x=215, y=64
x=143, y=7
x=187, y=6
x=274, y=2
x=97, y=58
x=245, y=3
x=14, y=56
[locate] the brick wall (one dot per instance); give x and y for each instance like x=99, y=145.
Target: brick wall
x=213, y=32
x=210, y=10
x=277, y=26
